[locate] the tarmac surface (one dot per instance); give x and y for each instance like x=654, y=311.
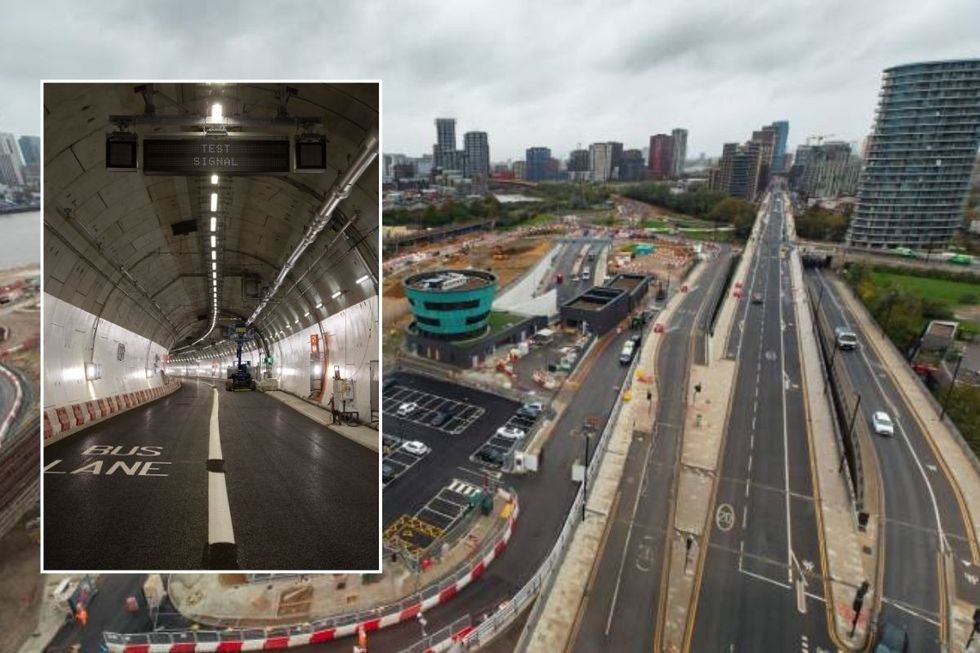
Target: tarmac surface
x=132, y=492
x=619, y=613
x=764, y=543
x=920, y=505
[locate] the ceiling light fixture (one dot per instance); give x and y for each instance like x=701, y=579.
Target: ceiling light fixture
x=362, y=279
x=214, y=241
x=214, y=201
x=216, y=110
x=214, y=254
x=336, y=294
x=214, y=223
x=214, y=180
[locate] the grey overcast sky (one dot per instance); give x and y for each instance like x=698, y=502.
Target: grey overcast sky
x=552, y=73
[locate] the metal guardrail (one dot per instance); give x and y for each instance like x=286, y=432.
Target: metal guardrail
x=440, y=639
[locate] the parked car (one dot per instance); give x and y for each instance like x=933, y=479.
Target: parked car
x=532, y=410
x=387, y=472
x=416, y=447
x=438, y=418
x=882, y=423
x=626, y=356
x=407, y=408
x=522, y=422
x=492, y=456
x=389, y=442
x=511, y=433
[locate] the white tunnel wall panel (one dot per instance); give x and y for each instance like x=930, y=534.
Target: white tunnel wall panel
x=352, y=343
x=68, y=345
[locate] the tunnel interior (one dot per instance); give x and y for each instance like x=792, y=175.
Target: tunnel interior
x=145, y=274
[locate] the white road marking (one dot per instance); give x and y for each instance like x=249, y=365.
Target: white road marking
x=220, y=529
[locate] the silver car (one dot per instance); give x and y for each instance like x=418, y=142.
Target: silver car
x=882, y=423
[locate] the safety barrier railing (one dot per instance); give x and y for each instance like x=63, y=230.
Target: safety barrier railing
x=440, y=639
x=320, y=629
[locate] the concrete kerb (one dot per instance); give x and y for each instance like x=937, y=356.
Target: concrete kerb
x=840, y=540
x=558, y=620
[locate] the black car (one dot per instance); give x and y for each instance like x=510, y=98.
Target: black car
x=387, y=472
x=438, y=418
x=492, y=456
x=523, y=421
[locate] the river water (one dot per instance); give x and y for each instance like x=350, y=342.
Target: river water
x=20, y=238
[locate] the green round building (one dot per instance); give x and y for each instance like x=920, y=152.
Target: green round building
x=451, y=304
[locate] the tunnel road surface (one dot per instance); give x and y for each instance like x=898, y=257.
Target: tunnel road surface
x=133, y=492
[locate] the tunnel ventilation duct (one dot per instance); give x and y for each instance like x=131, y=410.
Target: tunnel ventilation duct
x=338, y=193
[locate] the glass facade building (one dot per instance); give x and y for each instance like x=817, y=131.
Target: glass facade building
x=921, y=153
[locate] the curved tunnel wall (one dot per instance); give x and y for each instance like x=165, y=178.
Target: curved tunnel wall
x=352, y=343
x=130, y=363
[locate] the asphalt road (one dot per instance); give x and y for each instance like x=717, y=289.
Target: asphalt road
x=132, y=492
x=761, y=588
x=545, y=498
x=619, y=611
x=919, y=502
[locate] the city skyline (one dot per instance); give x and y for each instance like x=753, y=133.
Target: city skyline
x=700, y=66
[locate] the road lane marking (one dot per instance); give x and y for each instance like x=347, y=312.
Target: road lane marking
x=222, y=550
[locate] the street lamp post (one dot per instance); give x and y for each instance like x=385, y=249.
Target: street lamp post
x=952, y=385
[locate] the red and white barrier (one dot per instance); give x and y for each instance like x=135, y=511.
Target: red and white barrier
x=62, y=421
x=15, y=408
x=117, y=644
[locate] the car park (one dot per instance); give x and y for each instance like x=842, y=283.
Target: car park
x=511, y=433
x=407, y=408
x=416, y=447
x=882, y=423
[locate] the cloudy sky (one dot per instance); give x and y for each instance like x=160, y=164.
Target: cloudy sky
x=552, y=73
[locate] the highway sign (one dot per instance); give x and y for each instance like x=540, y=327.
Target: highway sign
x=224, y=155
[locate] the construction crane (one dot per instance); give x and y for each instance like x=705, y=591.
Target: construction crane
x=819, y=138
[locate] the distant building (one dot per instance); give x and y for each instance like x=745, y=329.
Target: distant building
x=11, y=163
x=914, y=183
x=537, y=159
x=404, y=170
x=679, y=153
x=520, y=169
x=661, y=156
x=632, y=167
x=578, y=161
x=738, y=170
x=444, y=151
x=476, y=150
x=779, y=163
x=601, y=161
x=829, y=170
x=30, y=148
x=766, y=140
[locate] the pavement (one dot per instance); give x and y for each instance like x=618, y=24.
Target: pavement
x=132, y=492
x=365, y=436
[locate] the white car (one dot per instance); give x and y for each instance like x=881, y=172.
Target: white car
x=416, y=447
x=510, y=433
x=407, y=408
x=882, y=423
